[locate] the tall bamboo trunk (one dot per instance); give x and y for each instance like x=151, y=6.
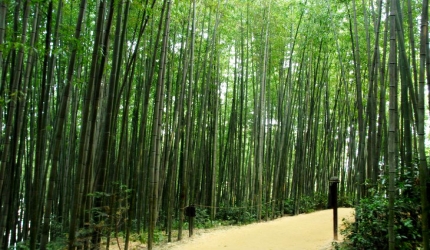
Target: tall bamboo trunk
x=66, y=94
x=10, y=141
x=392, y=125
x=423, y=169
x=156, y=131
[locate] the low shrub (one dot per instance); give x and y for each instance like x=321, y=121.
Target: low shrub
x=236, y=215
x=370, y=230
x=306, y=204
x=202, y=219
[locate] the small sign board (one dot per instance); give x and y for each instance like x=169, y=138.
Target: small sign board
x=190, y=211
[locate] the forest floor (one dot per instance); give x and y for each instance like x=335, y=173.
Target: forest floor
x=301, y=232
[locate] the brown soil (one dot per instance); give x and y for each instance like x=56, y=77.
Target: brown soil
x=301, y=232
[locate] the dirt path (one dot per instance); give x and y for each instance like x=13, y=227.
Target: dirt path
x=301, y=232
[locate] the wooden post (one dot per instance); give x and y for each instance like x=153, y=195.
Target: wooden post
x=333, y=197
x=190, y=211
x=191, y=226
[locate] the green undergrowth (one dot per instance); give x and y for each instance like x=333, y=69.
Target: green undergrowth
x=225, y=216
x=370, y=229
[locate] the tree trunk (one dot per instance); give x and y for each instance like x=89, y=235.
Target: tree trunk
x=423, y=169
x=392, y=129
x=156, y=130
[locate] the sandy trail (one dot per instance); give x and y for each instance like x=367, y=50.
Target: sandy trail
x=301, y=232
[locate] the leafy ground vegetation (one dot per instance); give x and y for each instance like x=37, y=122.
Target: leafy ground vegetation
x=113, y=231
x=369, y=230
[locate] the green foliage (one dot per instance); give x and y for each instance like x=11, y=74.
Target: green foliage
x=110, y=217
x=370, y=230
x=345, y=201
x=202, y=219
x=20, y=246
x=143, y=237
x=237, y=215
x=320, y=201
x=371, y=225
x=307, y=204
x=288, y=206
x=57, y=234
x=59, y=243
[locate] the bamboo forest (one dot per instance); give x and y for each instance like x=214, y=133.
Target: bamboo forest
x=117, y=115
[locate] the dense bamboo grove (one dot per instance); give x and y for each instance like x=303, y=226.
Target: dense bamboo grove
x=116, y=115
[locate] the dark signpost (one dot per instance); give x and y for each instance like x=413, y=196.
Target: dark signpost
x=190, y=212
x=333, y=202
